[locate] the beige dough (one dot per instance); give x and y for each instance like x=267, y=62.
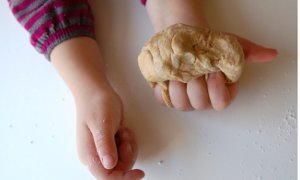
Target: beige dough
x=183, y=53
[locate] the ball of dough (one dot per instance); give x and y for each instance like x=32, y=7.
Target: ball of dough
x=182, y=53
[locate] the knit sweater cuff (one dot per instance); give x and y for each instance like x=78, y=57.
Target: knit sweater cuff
x=46, y=47
x=144, y=2
x=49, y=23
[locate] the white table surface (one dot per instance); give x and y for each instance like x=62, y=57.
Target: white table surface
x=254, y=139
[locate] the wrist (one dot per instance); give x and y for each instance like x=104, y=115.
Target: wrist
x=165, y=13
x=80, y=64
x=91, y=89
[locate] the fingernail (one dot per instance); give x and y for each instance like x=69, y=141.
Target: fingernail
x=108, y=161
x=142, y=175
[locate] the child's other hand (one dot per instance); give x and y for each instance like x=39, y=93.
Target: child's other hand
x=108, y=149
x=213, y=93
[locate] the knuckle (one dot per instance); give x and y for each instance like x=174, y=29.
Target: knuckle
x=99, y=135
x=100, y=144
x=101, y=141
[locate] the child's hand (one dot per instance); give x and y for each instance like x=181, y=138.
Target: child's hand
x=199, y=93
x=108, y=149
x=214, y=93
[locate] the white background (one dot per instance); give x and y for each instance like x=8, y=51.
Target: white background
x=255, y=138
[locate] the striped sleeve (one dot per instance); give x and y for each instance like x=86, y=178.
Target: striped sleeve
x=144, y=2
x=50, y=22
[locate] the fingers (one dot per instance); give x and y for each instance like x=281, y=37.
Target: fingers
x=201, y=94
x=158, y=94
x=127, y=149
x=256, y=53
x=233, y=89
x=87, y=151
x=178, y=95
x=104, y=139
x=218, y=91
x=134, y=174
x=198, y=94
x=89, y=156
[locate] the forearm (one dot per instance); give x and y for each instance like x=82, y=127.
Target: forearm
x=80, y=64
x=165, y=13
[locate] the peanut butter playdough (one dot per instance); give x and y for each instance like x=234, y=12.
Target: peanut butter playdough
x=182, y=53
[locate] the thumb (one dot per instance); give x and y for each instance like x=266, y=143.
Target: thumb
x=104, y=139
x=256, y=53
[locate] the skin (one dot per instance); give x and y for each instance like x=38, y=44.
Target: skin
x=199, y=94
x=105, y=146
x=100, y=133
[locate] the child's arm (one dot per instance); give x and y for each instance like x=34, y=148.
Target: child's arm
x=199, y=93
x=99, y=111
x=63, y=31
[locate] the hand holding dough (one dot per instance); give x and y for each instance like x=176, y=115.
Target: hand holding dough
x=183, y=53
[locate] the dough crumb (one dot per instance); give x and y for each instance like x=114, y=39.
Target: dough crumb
x=160, y=162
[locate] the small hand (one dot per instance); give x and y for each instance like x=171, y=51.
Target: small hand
x=213, y=93
x=108, y=149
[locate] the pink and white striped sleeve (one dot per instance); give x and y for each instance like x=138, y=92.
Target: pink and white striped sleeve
x=50, y=22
